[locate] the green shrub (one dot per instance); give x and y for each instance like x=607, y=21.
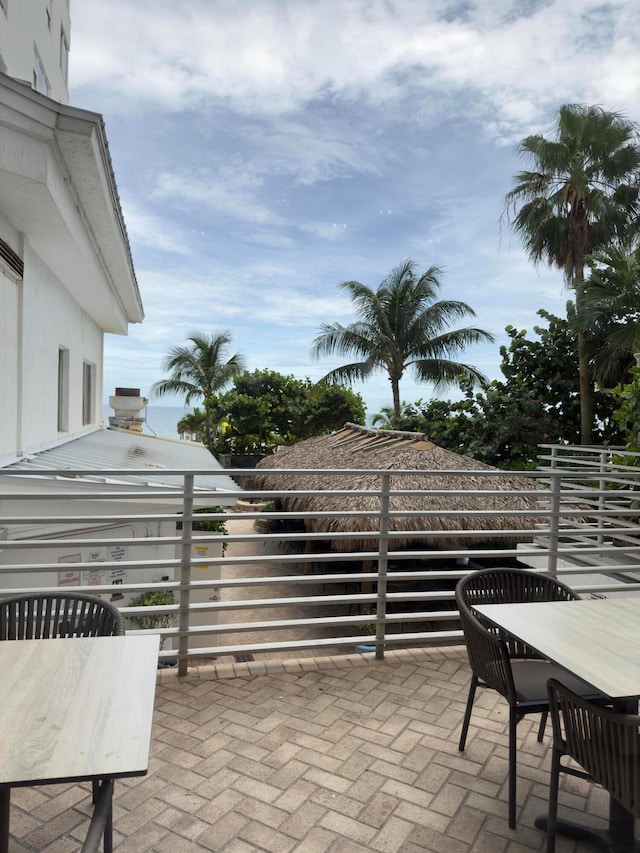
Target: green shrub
x=153, y=599
x=211, y=525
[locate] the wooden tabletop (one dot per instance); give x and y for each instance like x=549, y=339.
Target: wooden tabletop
x=597, y=639
x=74, y=709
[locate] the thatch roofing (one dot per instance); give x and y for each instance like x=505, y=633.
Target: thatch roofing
x=355, y=447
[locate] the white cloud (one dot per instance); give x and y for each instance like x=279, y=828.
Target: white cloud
x=149, y=230
x=230, y=190
x=326, y=230
x=270, y=149
x=276, y=56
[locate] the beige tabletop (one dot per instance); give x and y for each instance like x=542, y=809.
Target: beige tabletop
x=77, y=708
x=597, y=639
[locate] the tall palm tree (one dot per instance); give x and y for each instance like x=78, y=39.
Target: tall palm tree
x=200, y=371
x=581, y=195
x=611, y=315
x=401, y=326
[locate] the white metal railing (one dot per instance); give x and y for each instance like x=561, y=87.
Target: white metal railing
x=122, y=541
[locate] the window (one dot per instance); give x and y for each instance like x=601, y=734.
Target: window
x=88, y=392
x=64, y=55
x=63, y=390
x=40, y=81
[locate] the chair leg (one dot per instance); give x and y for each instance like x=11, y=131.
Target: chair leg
x=5, y=811
x=543, y=724
x=467, y=714
x=552, y=819
x=108, y=827
x=513, y=720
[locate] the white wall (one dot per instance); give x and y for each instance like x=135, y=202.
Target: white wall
x=57, y=214
x=10, y=296
x=66, y=556
x=51, y=320
x=25, y=25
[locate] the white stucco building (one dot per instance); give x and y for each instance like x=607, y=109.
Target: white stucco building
x=34, y=44
x=66, y=273
x=66, y=279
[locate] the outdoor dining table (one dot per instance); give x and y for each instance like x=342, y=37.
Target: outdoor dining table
x=598, y=640
x=72, y=710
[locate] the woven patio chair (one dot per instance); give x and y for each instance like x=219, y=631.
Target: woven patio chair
x=522, y=682
x=43, y=616
x=606, y=744
x=40, y=616
x=508, y=586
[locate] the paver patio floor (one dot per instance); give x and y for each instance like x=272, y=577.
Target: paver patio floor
x=337, y=754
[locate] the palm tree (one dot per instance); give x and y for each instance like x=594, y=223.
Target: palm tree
x=401, y=326
x=192, y=422
x=385, y=418
x=199, y=371
x=611, y=314
x=582, y=195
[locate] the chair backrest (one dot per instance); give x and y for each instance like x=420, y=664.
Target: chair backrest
x=606, y=744
x=507, y=586
x=44, y=616
x=510, y=586
x=488, y=653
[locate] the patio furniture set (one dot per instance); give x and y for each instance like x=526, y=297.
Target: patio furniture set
x=84, y=711
x=578, y=660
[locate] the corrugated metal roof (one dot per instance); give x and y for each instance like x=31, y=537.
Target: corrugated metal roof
x=107, y=450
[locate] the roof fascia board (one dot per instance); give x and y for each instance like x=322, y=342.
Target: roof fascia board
x=80, y=146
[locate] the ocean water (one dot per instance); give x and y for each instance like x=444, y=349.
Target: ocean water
x=161, y=420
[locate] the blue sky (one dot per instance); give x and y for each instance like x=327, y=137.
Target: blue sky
x=266, y=150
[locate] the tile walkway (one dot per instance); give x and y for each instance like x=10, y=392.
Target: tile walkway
x=338, y=754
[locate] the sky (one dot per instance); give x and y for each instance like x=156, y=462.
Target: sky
x=267, y=150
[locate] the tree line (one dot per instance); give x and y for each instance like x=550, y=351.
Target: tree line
x=576, y=208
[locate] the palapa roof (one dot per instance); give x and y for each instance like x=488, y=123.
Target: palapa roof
x=356, y=447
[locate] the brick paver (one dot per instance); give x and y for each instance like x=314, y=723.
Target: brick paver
x=339, y=754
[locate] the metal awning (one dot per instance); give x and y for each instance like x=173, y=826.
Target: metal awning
x=148, y=458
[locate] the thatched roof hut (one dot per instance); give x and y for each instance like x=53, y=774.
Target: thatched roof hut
x=355, y=447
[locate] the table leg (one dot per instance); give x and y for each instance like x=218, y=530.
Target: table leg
x=101, y=821
x=5, y=809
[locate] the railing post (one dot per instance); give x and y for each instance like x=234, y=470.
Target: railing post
x=602, y=502
x=185, y=572
x=383, y=564
x=554, y=521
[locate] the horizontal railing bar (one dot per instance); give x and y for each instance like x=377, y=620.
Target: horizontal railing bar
x=223, y=606
x=432, y=533
x=291, y=645
x=597, y=510
x=107, y=473
x=319, y=621
x=356, y=556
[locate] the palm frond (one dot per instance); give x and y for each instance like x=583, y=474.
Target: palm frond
x=348, y=373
